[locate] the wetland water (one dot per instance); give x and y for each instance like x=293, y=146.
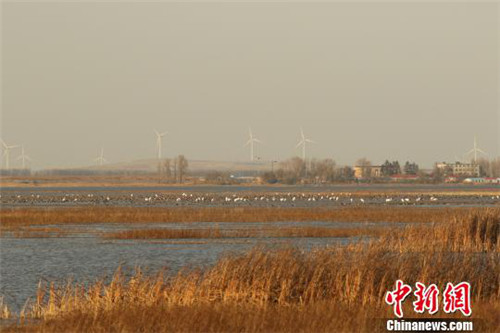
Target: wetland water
x=214, y=196
x=81, y=253
x=85, y=256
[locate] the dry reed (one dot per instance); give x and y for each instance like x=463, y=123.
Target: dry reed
x=262, y=232
x=329, y=289
x=15, y=217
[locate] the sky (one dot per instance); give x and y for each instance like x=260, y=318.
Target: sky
x=381, y=80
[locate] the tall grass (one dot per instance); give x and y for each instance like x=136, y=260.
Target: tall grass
x=15, y=217
x=207, y=233
x=326, y=289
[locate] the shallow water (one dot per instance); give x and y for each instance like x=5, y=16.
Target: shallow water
x=85, y=256
x=244, y=197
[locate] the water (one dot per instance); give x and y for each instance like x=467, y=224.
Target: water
x=215, y=197
x=85, y=257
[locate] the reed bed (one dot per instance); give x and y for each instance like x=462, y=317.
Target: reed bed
x=279, y=232
x=336, y=289
x=11, y=218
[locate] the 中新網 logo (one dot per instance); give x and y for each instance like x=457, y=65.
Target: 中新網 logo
x=455, y=297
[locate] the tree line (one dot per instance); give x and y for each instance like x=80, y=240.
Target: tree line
x=173, y=170
x=296, y=170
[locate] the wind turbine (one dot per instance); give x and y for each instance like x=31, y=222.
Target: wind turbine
x=159, y=137
x=6, y=153
x=100, y=159
x=251, y=141
x=476, y=150
x=303, y=142
x=23, y=157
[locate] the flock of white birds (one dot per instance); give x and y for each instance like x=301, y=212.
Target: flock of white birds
x=274, y=199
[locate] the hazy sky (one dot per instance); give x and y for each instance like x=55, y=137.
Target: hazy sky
x=381, y=80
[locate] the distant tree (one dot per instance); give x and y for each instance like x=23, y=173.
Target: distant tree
x=495, y=167
x=182, y=165
x=269, y=177
x=344, y=174
x=438, y=174
x=174, y=171
x=323, y=170
x=160, y=172
x=390, y=168
x=292, y=171
x=396, y=169
x=411, y=168
x=386, y=168
x=297, y=166
x=168, y=170
x=218, y=177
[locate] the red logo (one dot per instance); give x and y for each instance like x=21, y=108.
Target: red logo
x=427, y=298
x=455, y=298
x=397, y=297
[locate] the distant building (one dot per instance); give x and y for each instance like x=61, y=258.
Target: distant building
x=466, y=169
x=460, y=169
x=371, y=171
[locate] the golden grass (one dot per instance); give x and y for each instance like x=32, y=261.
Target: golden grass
x=5, y=312
x=324, y=290
x=11, y=218
x=287, y=232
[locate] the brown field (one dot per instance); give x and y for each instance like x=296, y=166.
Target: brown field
x=336, y=289
x=29, y=222
x=244, y=233
x=17, y=217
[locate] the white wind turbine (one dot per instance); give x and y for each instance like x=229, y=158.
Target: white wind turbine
x=100, y=160
x=251, y=141
x=6, y=153
x=303, y=142
x=159, y=137
x=476, y=150
x=23, y=157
